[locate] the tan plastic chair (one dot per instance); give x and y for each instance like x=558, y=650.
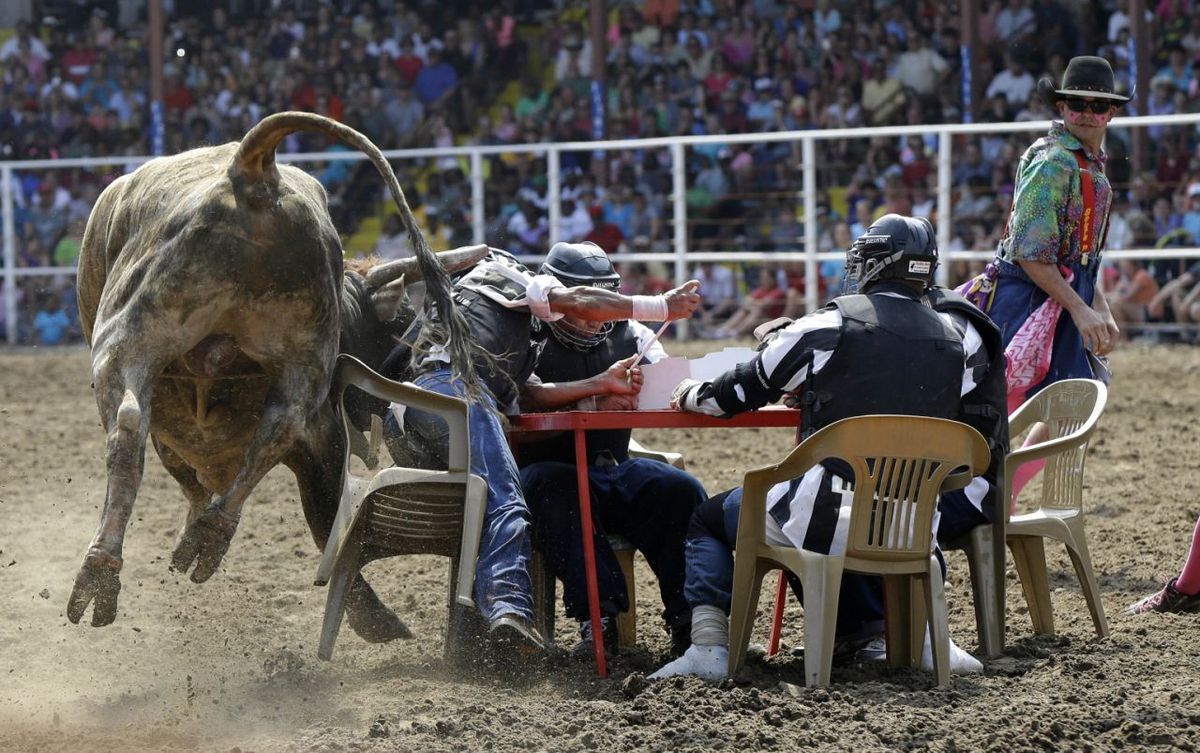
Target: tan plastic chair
x=981, y=545
x=403, y=510
x=1071, y=409
x=901, y=464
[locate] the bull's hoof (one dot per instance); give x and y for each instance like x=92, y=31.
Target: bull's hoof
x=370, y=619
x=98, y=581
x=204, y=542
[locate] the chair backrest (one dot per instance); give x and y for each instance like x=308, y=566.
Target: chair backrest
x=422, y=515
x=351, y=372
x=1071, y=410
x=900, y=465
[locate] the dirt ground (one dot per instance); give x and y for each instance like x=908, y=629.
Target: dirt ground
x=231, y=664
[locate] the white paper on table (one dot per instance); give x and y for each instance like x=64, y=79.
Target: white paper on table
x=712, y=365
x=660, y=379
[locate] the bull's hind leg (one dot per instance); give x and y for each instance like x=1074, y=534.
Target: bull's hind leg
x=206, y=539
x=124, y=398
x=317, y=464
x=197, y=496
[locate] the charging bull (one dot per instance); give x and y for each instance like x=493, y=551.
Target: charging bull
x=213, y=295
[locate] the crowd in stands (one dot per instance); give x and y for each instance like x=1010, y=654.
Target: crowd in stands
x=515, y=72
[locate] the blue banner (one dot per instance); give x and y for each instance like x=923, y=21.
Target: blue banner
x=156, y=128
x=965, y=75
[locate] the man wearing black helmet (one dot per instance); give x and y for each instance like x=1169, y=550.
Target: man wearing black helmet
x=882, y=348
x=507, y=308
x=583, y=365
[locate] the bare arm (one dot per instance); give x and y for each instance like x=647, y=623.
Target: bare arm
x=622, y=378
x=599, y=305
x=1095, y=323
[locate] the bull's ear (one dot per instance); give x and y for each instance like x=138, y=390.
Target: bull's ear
x=388, y=300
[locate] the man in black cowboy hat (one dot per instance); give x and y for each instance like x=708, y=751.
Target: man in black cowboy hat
x=1051, y=245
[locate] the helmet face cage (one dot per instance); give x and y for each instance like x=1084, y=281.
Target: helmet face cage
x=576, y=338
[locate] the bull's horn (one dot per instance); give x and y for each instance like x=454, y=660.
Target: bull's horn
x=451, y=261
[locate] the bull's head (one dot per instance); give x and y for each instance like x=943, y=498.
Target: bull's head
x=376, y=311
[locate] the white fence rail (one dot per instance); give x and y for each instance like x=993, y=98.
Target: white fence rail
x=681, y=258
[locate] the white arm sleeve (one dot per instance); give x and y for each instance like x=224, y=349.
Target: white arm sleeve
x=537, y=296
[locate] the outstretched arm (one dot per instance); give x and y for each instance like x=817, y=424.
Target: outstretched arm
x=599, y=305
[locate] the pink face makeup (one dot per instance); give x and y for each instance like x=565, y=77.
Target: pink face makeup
x=1087, y=118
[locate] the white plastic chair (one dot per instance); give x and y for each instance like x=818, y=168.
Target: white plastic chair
x=403, y=510
x=901, y=464
x=1071, y=409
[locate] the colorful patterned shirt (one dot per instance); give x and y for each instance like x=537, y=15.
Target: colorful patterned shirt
x=1048, y=204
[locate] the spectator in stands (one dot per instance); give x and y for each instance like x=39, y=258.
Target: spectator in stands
x=436, y=80
x=1015, y=22
x=407, y=62
x=1014, y=83
x=23, y=44
x=1179, y=299
x=883, y=96
x=921, y=68
x=719, y=300
x=405, y=112
x=576, y=221
x=763, y=303
x=51, y=321
x=1164, y=217
x=1135, y=288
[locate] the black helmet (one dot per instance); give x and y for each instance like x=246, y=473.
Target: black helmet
x=580, y=264
x=892, y=248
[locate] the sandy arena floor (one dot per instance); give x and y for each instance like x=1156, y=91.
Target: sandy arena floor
x=232, y=664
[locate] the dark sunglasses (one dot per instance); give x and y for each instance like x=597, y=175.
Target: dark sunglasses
x=1098, y=106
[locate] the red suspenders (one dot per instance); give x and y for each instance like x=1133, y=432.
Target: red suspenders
x=1086, y=223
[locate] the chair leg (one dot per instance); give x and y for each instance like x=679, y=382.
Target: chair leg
x=897, y=598
x=1029, y=556
x=822, y=582
x=544, y=598
x=939, y=623
x=981, y=562
x=1078, y=549
x=345, y=568
x=627, y=620
x=748, y=573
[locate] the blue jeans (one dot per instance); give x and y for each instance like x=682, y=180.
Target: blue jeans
x=647, y=502
x=502, y=572
x=708, y=555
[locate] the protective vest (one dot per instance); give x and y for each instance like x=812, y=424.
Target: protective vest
x=985, y=407
x=512, y=336
x=894, y=355
x=560, y=363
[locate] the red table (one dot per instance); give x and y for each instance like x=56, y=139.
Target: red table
x=580, y=422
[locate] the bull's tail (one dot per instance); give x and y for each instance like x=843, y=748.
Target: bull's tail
x=255, y=176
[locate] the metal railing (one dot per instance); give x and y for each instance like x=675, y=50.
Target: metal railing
x=680, y=256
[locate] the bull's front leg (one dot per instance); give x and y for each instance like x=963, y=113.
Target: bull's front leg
x=317, y=463
x=207, y=538
x=124, y=399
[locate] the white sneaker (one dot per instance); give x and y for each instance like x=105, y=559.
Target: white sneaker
x=961, y=663
x=705, y=662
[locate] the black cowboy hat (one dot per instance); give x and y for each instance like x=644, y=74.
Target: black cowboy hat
x=1089, y=76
